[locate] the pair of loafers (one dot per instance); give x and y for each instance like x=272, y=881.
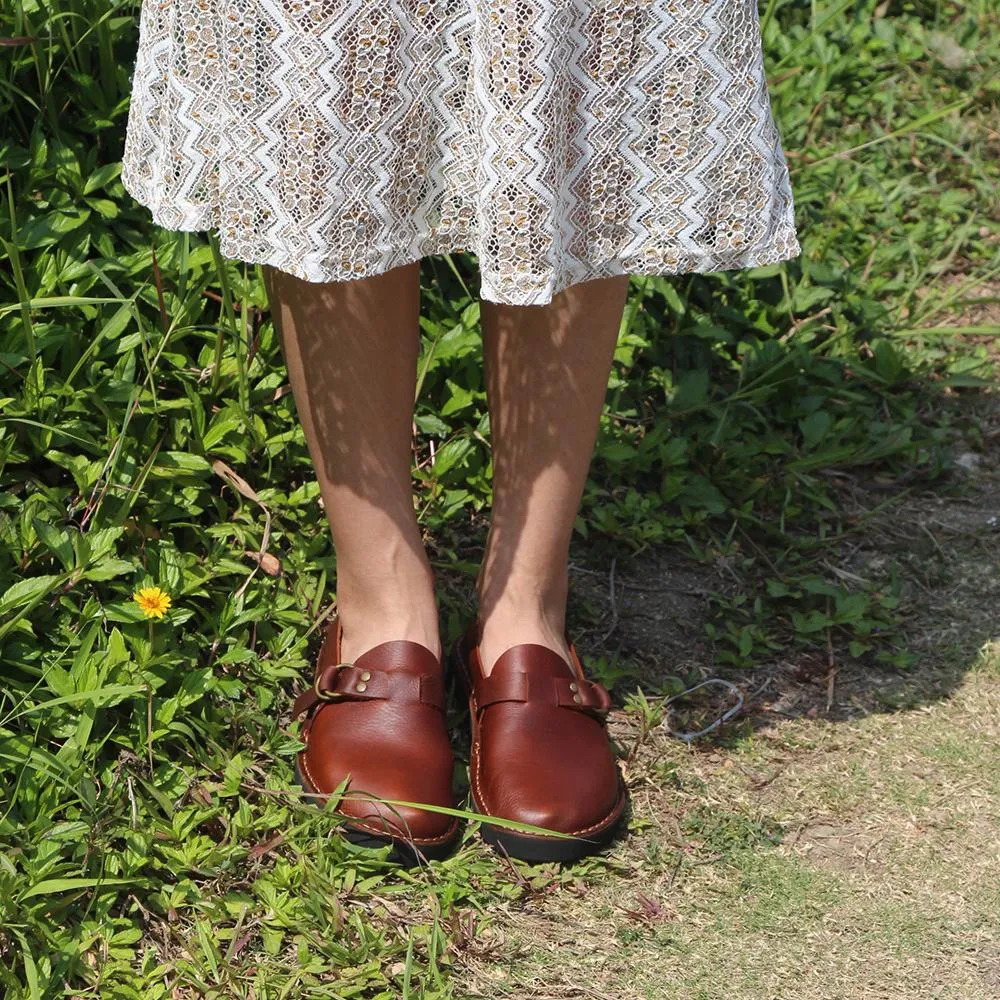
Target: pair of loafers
x=375, y=730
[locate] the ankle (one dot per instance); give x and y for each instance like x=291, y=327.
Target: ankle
x=528, y=599
x=516, y=618
x=363, y=629
x=524, y=614
x=506, y=627
x=378, y=611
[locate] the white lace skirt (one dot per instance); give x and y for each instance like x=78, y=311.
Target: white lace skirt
x=557, y=140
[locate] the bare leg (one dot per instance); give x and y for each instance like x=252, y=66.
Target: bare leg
x=351, y=350
x=546, y=377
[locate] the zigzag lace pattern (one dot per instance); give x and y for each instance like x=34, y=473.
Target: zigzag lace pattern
x=557, y=140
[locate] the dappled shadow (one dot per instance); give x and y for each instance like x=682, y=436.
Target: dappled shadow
x=546, y=374
x=641, y=619
x=941, y=546
x=351, y=352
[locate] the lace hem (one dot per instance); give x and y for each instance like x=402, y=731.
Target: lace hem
x=782, y=245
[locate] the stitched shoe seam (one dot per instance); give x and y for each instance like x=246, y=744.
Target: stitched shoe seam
x=604, y=821
x=381, y=830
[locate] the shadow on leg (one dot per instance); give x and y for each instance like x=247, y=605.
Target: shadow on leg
x=546, y=373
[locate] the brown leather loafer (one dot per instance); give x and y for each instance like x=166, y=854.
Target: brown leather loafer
x=380, y=722
x=540, y=750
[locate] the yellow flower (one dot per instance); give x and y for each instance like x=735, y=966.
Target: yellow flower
x=153, y=601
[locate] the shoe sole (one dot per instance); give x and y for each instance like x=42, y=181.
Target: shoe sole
x=534, y=848
x=527, y=846
x=403, y=851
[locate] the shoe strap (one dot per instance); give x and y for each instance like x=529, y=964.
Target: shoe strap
x=336, y=680
x=347, y=682
x=562, y=692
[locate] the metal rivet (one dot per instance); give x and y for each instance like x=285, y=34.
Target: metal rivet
x=366, y=676
x=361, y=687
x=573, y=687
x=577, y=699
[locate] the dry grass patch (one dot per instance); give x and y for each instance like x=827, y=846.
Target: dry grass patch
x=814, y=861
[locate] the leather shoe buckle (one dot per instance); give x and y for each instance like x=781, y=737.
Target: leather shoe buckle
x=329, y=694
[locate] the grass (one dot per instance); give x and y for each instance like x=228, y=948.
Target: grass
x=782, y=493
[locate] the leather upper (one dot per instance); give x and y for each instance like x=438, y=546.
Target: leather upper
x=380, y=721
x=541, y=753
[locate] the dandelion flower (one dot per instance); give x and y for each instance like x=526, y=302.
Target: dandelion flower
x=153, y=601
